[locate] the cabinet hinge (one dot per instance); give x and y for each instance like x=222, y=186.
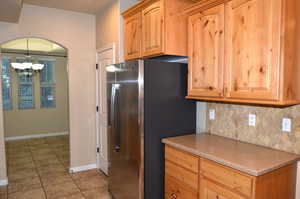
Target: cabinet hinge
x=97, y=66
x=97, y=108
x=98, y=150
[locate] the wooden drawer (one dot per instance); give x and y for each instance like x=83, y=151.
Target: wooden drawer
x=234, y=180
x=182, y=158
x=174, y=189
x=210, y=190
x=182, y=175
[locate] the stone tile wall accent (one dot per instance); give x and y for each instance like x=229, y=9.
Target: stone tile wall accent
x=232, y=122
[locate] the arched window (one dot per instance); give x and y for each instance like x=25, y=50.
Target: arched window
x=29, y=63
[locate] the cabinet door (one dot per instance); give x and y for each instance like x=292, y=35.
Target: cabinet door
x=177, y=190
x=152, y=29
x=253, y=49
x=206, y=52
x=133, y=36
x=209, y=190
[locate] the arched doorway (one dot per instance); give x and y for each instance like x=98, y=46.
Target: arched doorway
x=35, y=106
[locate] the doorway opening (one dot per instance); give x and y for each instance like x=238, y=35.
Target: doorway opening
x=35, y=106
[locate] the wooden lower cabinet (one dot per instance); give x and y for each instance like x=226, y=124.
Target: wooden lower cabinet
x=192, y=177
x=174, y=189
x=210, y=190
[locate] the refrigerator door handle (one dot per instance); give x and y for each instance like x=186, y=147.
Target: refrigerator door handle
x=115, y=113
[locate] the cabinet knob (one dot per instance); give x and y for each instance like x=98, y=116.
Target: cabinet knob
x=217, y=197
x=173, y=195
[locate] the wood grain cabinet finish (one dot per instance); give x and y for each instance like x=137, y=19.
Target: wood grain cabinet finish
x=152, y=28
x=174, y=189
x=210, y=190
x=132, y=36
x=253, y=49
x=163, y=28
x=253, y=61
x=206, y=50
x=215, y=181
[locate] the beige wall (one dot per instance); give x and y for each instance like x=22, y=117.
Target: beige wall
x=24, y=122
x=107, y=26
x=76, y=32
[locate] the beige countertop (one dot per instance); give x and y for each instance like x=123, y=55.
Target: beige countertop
x=248, y=158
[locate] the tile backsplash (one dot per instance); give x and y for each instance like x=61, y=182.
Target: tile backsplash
x=232, y=121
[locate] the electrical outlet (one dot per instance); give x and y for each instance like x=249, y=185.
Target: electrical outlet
x=252, y=120
x=212, y=114
x=286, y=125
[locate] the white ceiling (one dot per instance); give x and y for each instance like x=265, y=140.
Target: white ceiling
x=85, y=6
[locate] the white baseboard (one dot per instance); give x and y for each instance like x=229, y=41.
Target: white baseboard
x=3, y=182
x=83, y=168
x=36, y=136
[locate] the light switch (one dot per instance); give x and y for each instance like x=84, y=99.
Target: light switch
x=212, y=114
x=252, y=120
x=286, y=125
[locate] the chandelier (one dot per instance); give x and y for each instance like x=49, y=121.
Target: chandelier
x=27, y=65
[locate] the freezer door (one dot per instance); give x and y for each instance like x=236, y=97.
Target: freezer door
x=124, y=135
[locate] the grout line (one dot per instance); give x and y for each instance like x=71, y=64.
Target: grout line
x=36, y=169
x=69, y=173
x=56, y=154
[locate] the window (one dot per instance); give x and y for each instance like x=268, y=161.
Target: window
x=6, y=84
x=26, y=91
x=48, y=85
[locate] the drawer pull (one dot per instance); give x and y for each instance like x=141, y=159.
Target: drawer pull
x=217, y=197
x=173, y=195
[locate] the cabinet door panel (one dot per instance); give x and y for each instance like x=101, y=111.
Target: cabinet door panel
x=133, y=36
x=210, y=190
x=175, y=189
x=206, y=52
x=152, y=29
x=253, y=49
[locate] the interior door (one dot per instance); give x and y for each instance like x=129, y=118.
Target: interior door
x=105, y=58
x=133, y=36
x=152, y=29
x=206, y=51
x=253, y=30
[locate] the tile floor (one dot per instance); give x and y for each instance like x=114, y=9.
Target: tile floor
x=38, y=169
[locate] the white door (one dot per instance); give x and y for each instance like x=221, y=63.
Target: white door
x=105, y=57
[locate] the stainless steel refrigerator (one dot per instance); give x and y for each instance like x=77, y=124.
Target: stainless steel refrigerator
x=146, y=102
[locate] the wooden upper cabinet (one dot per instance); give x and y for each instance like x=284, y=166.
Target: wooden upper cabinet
x=152, y=29
x=133, y=36
x=163, y=28
x=253, y=49
x=206, y=47
x=255, y=59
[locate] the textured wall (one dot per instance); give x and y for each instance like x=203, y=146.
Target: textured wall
x=232, y=121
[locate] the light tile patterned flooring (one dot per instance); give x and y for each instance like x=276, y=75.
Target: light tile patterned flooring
x=38, y=169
